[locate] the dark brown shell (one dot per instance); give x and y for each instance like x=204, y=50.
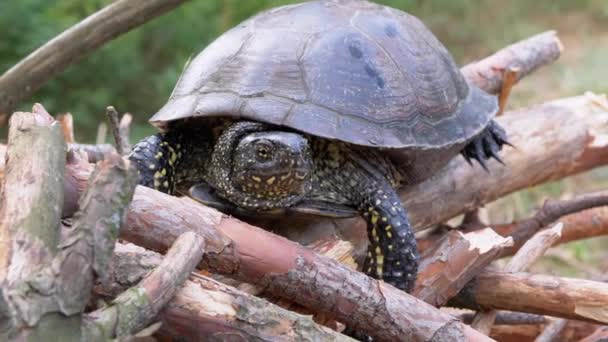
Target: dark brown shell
x=348, y=70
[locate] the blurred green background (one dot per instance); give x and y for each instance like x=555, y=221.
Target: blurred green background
x=137, y=71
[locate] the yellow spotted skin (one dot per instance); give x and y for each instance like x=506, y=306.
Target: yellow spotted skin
x=256, y=167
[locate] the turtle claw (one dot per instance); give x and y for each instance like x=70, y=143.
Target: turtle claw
x=486, y=145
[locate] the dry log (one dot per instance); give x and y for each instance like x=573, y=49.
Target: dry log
x=32, y=194
x=488, y=73
x=205, y=307
x=67, y=125
x=94, y=153
x=534, y=293
x=288, y=270
x=20, y=81
x=573, y=331
x=445, y=269
x=121, y=140
x=531, y=251
x=139, y=305
x=49, y=277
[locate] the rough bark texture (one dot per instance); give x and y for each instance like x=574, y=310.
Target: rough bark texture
x=32, y=72
x=48, y=285
x=286, y=269
x=488, y=74
x=456, y=259
x=32, y=194
x=531, y=251
x=535, y=293
x=205, y=307
x=138, y=306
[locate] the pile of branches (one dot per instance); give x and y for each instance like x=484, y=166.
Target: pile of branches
x=81, y=245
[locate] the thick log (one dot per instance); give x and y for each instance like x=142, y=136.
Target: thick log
x=534, y=293
x=205, y=307
x=32, y=193
x=20, y=81
x=138, y=306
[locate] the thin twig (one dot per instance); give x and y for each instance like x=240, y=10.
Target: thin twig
x=121, y=144
x=509, y=80
x=67, y=125
x=124, y=130
x=102, y=132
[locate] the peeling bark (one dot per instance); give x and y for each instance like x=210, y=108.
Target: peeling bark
x=205, y=307
x=535, y=293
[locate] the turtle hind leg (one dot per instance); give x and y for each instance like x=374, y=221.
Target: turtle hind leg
x=392, y=253
x=486, y=145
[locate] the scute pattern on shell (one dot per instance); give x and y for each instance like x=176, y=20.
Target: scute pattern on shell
x=348, y=70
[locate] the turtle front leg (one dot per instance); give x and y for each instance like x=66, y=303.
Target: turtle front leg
x=392, y=253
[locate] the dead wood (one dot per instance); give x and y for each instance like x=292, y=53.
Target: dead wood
x=138, y=306
x=552, y=331
x=67, y=125
x=48, y=279
x=120, y=130
x=205, y=307
x=32, y=194
x=20, y=81
x=94, y=153
x=445, y=269
x=535, y=293
x=531, y=251
x=286, y=269
x=526, y=55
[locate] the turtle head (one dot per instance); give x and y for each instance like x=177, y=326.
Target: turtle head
x=257, y=167
x=272, y=165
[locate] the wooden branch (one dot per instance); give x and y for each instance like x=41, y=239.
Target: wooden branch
x=534, y=293
x=138, y=306
x=552, y=331
x=531, y=251
x=124, y=130
x=32, y=194
x=551, y=211
x=573, y=331
x=205, y=307
x=19, y=82
x=67, y=125
x=488, y=73
x=509, y=80
x=507, y=318
x=122, y=142
x=445, y=269
x=287, y=269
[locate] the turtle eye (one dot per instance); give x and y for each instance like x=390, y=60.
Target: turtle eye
x=263, y=150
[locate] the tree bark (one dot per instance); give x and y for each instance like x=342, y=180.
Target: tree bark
x=534, y=293
x=488, y=74
x=139, y=305
x=531, y=251
x=205, y=307
x=20, y=81
x=48, y=275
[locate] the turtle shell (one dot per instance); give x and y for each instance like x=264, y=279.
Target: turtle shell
x=348, y=70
